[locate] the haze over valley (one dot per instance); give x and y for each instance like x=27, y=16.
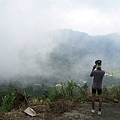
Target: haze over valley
x=57, y=40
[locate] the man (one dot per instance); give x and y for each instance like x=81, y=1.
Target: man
x=97, y=73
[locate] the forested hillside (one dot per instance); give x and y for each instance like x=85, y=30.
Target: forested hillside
x=72, y=56
x=76, y=52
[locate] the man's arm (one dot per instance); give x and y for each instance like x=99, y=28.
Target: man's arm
x=91, y=75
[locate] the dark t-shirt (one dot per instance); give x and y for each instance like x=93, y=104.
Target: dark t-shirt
x=97, y=78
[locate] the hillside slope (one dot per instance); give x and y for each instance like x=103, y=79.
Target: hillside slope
x=82, y=49
x=75, y=53
x=78, y=111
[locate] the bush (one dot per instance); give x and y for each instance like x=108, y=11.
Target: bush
x=111, y=92
x=13, y=100
x=115, y=92
x=7, y=103
x=69, y=91
x=106, y=94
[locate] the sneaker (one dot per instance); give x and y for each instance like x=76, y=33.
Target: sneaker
x=93, y=111
x=99, y=113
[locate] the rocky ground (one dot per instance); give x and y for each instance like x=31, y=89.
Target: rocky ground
x=110, y=111
x=82, y=112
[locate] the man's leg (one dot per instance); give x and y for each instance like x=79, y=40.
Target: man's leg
x=93, y=101
x=100, y=101
x=100, y=98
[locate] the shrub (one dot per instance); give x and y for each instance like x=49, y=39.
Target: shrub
x=7, y=103
x=13, y=100
x=69, y=91
x=115, y=92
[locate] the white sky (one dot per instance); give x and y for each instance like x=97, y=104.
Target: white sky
x=22, y=22
x=90, y=16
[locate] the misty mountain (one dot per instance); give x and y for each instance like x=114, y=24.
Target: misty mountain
x=64, y=54
x=76, y=52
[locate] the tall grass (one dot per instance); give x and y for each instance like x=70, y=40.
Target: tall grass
x=7, y=103
x=13, y=100
x=70, y=90
x=111, y=93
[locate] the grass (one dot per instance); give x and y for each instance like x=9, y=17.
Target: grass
x=59, y=99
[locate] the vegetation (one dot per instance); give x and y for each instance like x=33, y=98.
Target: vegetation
x=71, y=58
x=61, y=95
x=13, y=100
x=76, y=51
x=69, y=91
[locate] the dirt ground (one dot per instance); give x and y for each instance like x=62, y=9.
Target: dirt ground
x=110, y=111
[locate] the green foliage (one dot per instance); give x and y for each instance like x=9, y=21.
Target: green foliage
x=55, y=94
x=66, y=91
x=2, y=94
x=105, y=94
x=7, y=103
x=69, y=91
x=111, y=92
x=13, y=100
x=115, y=92
x=70, y=88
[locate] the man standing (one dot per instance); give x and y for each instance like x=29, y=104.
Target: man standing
x=97, y=73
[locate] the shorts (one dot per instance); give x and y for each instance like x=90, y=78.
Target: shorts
x=99, y=91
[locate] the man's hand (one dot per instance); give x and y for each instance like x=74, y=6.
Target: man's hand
x=94, y=67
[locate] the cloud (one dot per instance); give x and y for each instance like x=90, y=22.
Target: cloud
x=93, y=21
x=29, y=16
x=23, y=24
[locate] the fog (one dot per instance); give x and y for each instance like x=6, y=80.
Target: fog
x=25, y=27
